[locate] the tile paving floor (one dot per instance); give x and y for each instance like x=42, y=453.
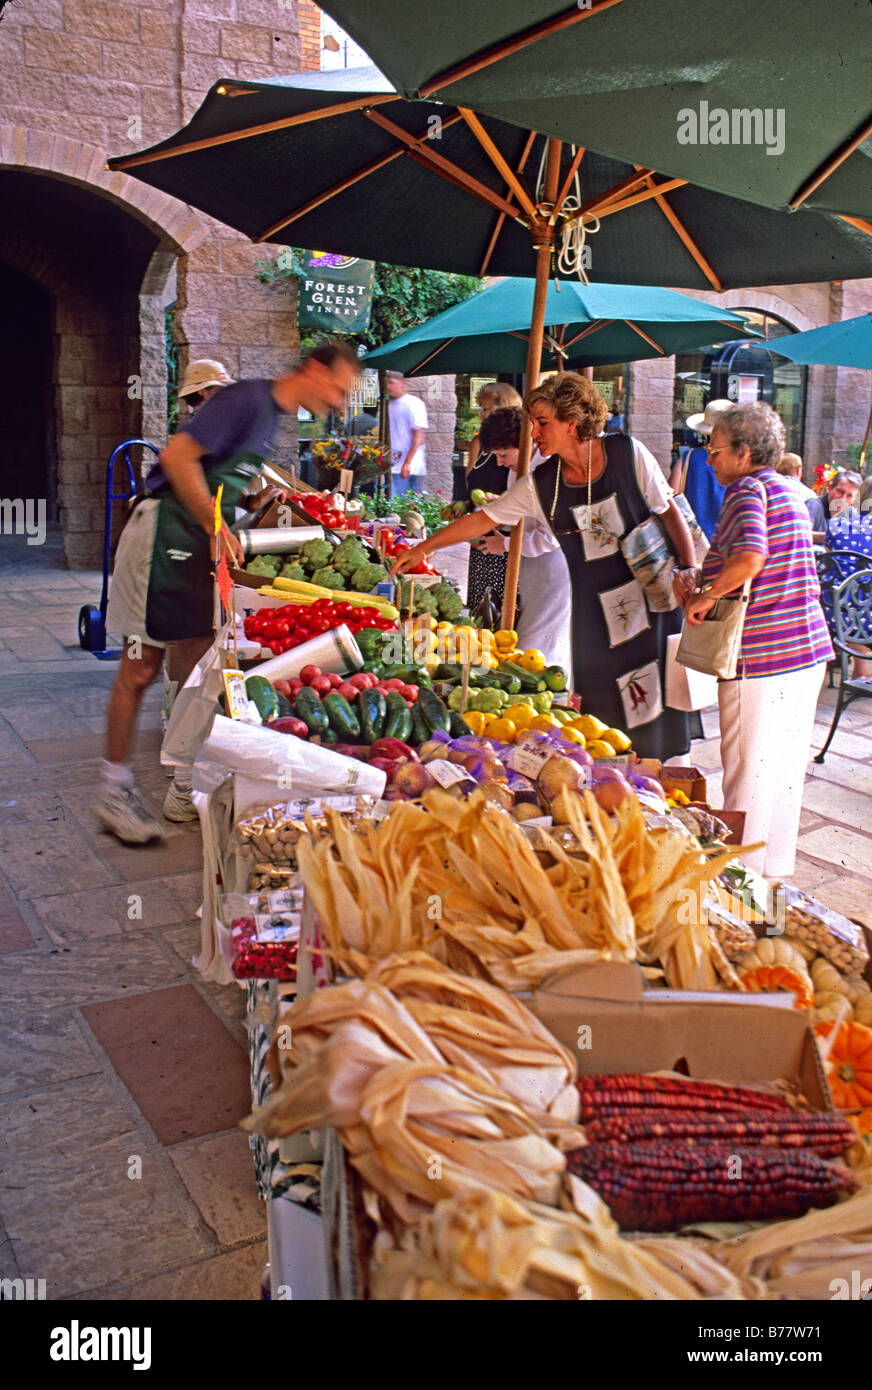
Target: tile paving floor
x=111, y=1047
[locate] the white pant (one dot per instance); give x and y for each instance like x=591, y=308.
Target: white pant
x=766, y=729
x=546, y=603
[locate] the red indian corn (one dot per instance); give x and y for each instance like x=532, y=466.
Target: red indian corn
x=820, y=1133
x=662, y=1186
x=624, y=1091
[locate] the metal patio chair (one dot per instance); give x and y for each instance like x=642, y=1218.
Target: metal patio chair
x=832, y=567
x=852, y=621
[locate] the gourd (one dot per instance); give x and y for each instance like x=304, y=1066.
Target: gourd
x=825, y=976
x=766, y=979
x=832, y=1005
x=849, y=1066
x=771, y=951
x=863, y=1010
x=805, y=950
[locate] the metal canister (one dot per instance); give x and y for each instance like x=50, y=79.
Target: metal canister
x=278, y=540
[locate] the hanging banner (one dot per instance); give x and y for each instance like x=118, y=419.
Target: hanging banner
x=334, y=295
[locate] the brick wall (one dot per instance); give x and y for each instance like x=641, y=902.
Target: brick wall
x=309, y=21
x=83, y=78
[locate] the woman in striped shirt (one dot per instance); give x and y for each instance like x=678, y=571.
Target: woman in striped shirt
x=767, y=712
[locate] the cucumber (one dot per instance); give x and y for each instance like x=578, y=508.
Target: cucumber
x=263, y=696
x=286, y=709
x=436, y=715
x=373, y=708
x=459, y=727
x=398, y=721
x=528, y=680
x=309, y=708
x=420, y=733
x=342, y=717
x=328, y=737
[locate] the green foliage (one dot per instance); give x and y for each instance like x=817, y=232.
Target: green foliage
x=855, y=452
x=171, y=354
x=403, y=296
x=429, y=504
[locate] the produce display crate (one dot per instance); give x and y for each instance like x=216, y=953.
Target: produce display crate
x=739, y=1039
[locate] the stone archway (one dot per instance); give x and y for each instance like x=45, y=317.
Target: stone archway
x=104, y=248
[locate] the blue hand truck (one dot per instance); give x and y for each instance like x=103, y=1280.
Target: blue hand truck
x=92, y=621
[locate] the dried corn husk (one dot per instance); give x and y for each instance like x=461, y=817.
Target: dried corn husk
x=801, y=1258
x=481, y=1028
x=486, y=1245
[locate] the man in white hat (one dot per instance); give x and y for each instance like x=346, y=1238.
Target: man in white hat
x=692, y=474
x=201, y=380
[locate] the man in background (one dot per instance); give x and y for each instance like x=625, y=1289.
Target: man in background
x=202, y=380
x=790, y=466
x=162, y=586
x=408, y=424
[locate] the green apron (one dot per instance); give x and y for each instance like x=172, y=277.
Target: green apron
x=181, y=601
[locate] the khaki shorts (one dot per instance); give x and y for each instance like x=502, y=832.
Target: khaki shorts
x=128, y=591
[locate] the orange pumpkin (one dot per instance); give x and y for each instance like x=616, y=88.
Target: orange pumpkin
x=767, y=979
x=862, y=1123
x=849, y=1068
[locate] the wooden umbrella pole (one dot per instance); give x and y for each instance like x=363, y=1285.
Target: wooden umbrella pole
x=544, y=240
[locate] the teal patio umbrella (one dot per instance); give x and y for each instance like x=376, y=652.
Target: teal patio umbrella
x=587, y=325
x=845, y=344
x=767, y=100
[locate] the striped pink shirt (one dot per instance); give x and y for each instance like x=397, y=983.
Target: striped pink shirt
x=785, y=629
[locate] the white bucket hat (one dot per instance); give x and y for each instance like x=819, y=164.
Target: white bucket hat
x=706, y=421
x=202, y=373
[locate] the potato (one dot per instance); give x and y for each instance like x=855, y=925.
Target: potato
x=561, y=774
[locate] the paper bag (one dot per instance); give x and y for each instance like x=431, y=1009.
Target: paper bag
x=195, y=706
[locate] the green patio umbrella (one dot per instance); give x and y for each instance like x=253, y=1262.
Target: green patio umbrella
x=768, y=100
x=340, y=161
x=588, y=325
x=845, y=344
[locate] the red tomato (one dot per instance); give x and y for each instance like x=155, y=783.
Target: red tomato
x=343, y=610
x=295, y=686
x=348, y=691
x=361, y=680
x=319, y=625
x=322, y=685
x=409, y=693
x=335, y=680
x=308, y=674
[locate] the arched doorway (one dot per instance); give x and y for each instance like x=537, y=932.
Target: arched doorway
x=28, y=459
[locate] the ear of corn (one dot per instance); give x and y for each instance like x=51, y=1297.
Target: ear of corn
x=625, y=1090
x=662, y=1186
x=821, y=1133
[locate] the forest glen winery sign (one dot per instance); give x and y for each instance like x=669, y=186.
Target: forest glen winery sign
x=335, y=293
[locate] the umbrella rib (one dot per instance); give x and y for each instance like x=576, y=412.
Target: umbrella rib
x=340, y=187
x=509, y=46
x=434, y=353
x=570, y=175
x=502, y=217
x=614, y=193
x=652, y=191
x=858, y=222
x=499, y=161
x=303, y=118
x=684, y=236
x=586, y=332
x=438, y=164
x=830, y=166
x=638, y=330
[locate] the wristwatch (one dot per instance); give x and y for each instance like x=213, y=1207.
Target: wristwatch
x=706, y=589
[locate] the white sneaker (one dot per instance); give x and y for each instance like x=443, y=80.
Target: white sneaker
x=120, y=810
x=179, y=804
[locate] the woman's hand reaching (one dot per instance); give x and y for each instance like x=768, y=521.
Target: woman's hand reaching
x=408, y=559
x=696, y=608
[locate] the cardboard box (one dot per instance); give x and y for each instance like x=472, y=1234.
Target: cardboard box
x=720, y=1037
x=684, y=779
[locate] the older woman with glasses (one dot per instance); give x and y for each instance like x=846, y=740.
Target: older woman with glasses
x=591, y=491
x=767, y=712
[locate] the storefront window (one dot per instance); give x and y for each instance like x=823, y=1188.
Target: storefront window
x=784, y=388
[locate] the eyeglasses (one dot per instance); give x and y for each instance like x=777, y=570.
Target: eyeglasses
x=710, y=451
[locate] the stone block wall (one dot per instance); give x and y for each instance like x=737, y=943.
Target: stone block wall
x=80, y=79
x=440, y=398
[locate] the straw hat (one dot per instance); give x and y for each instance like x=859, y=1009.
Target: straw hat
x=706, y=421
x=205, y=372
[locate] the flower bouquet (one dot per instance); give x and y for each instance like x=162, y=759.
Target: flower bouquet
x=365, y=461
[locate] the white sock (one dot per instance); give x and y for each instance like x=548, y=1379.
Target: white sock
x=116, y=774
x=183, y=778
